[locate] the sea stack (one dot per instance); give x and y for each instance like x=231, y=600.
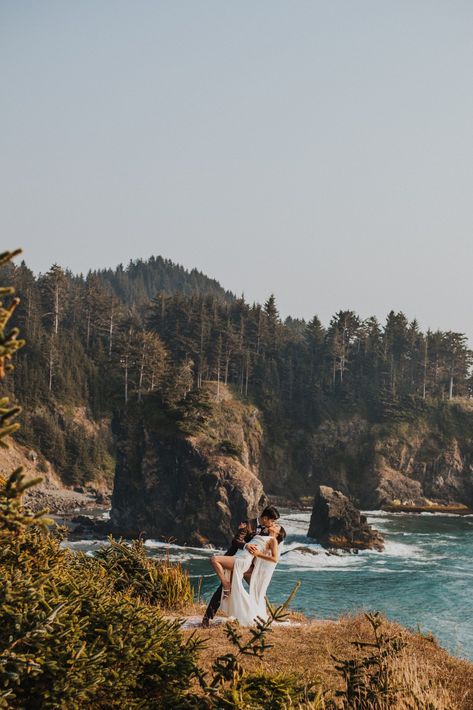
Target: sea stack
x=193, y=488
x=336, y=523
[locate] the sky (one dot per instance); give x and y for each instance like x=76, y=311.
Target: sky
x=320, y=151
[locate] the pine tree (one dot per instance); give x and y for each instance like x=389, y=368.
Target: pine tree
x=10, y=343
x=54, y=287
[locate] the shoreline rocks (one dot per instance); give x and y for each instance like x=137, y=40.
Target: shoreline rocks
x=428, y=457
x=337, y=524
x=64, y=501
x=430, y=507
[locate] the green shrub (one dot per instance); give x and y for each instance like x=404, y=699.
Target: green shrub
x=68, y=638
x=79, y=631
x=154, y=581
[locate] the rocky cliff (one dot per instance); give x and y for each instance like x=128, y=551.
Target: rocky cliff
x=50, y=494
x=194, y=485
x=428, y=458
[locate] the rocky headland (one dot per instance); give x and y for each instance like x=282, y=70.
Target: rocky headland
x=423, y=462
x=193, y=484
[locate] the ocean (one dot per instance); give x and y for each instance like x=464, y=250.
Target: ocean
x=423, y=579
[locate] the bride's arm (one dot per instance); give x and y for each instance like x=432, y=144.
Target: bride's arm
x=271, y=551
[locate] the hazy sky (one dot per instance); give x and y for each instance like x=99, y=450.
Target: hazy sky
x=319, y=150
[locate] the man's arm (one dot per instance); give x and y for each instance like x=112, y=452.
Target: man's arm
x=246, y=531
x=239, y=541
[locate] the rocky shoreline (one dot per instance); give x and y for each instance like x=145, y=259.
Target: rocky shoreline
x=64, y=501
x=437, y=508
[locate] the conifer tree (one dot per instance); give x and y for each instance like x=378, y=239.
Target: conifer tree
x=10, y=343
x=54, y=286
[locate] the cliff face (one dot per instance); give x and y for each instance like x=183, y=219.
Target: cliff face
x=51, y=493
x=427, y=458
x=197, y=485
x=195, y=488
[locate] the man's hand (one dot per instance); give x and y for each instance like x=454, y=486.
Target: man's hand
x=252, y=549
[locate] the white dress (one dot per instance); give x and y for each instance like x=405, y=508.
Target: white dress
x=241, y=605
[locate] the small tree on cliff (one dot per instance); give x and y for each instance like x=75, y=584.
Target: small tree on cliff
x=9, y=344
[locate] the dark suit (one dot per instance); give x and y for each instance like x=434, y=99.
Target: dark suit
x=243, y=536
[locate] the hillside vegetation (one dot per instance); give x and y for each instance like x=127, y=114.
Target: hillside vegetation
x=102, y=343
x=79, y=631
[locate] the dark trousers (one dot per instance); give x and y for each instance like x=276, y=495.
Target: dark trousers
x=214, y=604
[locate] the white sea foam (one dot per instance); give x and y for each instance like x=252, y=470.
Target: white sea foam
x=299, y=569
x=400, y=549
x=295, y=523
x=159, y=545
x=201, y=576
x=444, y=515
x=83, y=543
x=313, y=557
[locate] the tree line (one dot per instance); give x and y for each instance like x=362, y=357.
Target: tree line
x=100, y=342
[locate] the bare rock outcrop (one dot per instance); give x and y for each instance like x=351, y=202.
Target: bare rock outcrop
x=50, y=493
x=427, y=458
x=194, y=489
x=337, y=524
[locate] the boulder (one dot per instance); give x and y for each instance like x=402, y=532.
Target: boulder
x=336, y=523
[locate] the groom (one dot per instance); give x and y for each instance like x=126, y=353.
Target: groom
x=246, y=532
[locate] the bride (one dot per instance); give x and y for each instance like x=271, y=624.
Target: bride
x=262, y=552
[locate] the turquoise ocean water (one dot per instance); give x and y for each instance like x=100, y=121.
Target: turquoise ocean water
x=423, y=579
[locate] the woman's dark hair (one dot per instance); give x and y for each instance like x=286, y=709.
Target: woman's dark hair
x=270, y=512
x=281, y=534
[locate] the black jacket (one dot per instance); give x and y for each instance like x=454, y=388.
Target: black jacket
x=246, y=532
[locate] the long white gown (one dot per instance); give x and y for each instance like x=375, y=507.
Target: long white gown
x=241, y=605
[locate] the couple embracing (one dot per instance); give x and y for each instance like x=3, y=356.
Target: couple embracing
x=252, y=556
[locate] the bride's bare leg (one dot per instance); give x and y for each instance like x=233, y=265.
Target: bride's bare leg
x=220, y=563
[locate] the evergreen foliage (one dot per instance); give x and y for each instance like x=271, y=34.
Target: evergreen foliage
x=154, y=581
x=100, y=343
x=141, y=280
x=9, y=345
x=68, y=638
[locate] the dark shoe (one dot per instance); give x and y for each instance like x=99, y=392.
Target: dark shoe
x=205, y=622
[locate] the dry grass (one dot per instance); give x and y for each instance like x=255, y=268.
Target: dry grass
x=308, y=649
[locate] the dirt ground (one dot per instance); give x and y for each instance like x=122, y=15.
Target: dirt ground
x=307, y=647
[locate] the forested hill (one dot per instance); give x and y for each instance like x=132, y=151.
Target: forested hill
x=141, y=280
x=96, y=345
